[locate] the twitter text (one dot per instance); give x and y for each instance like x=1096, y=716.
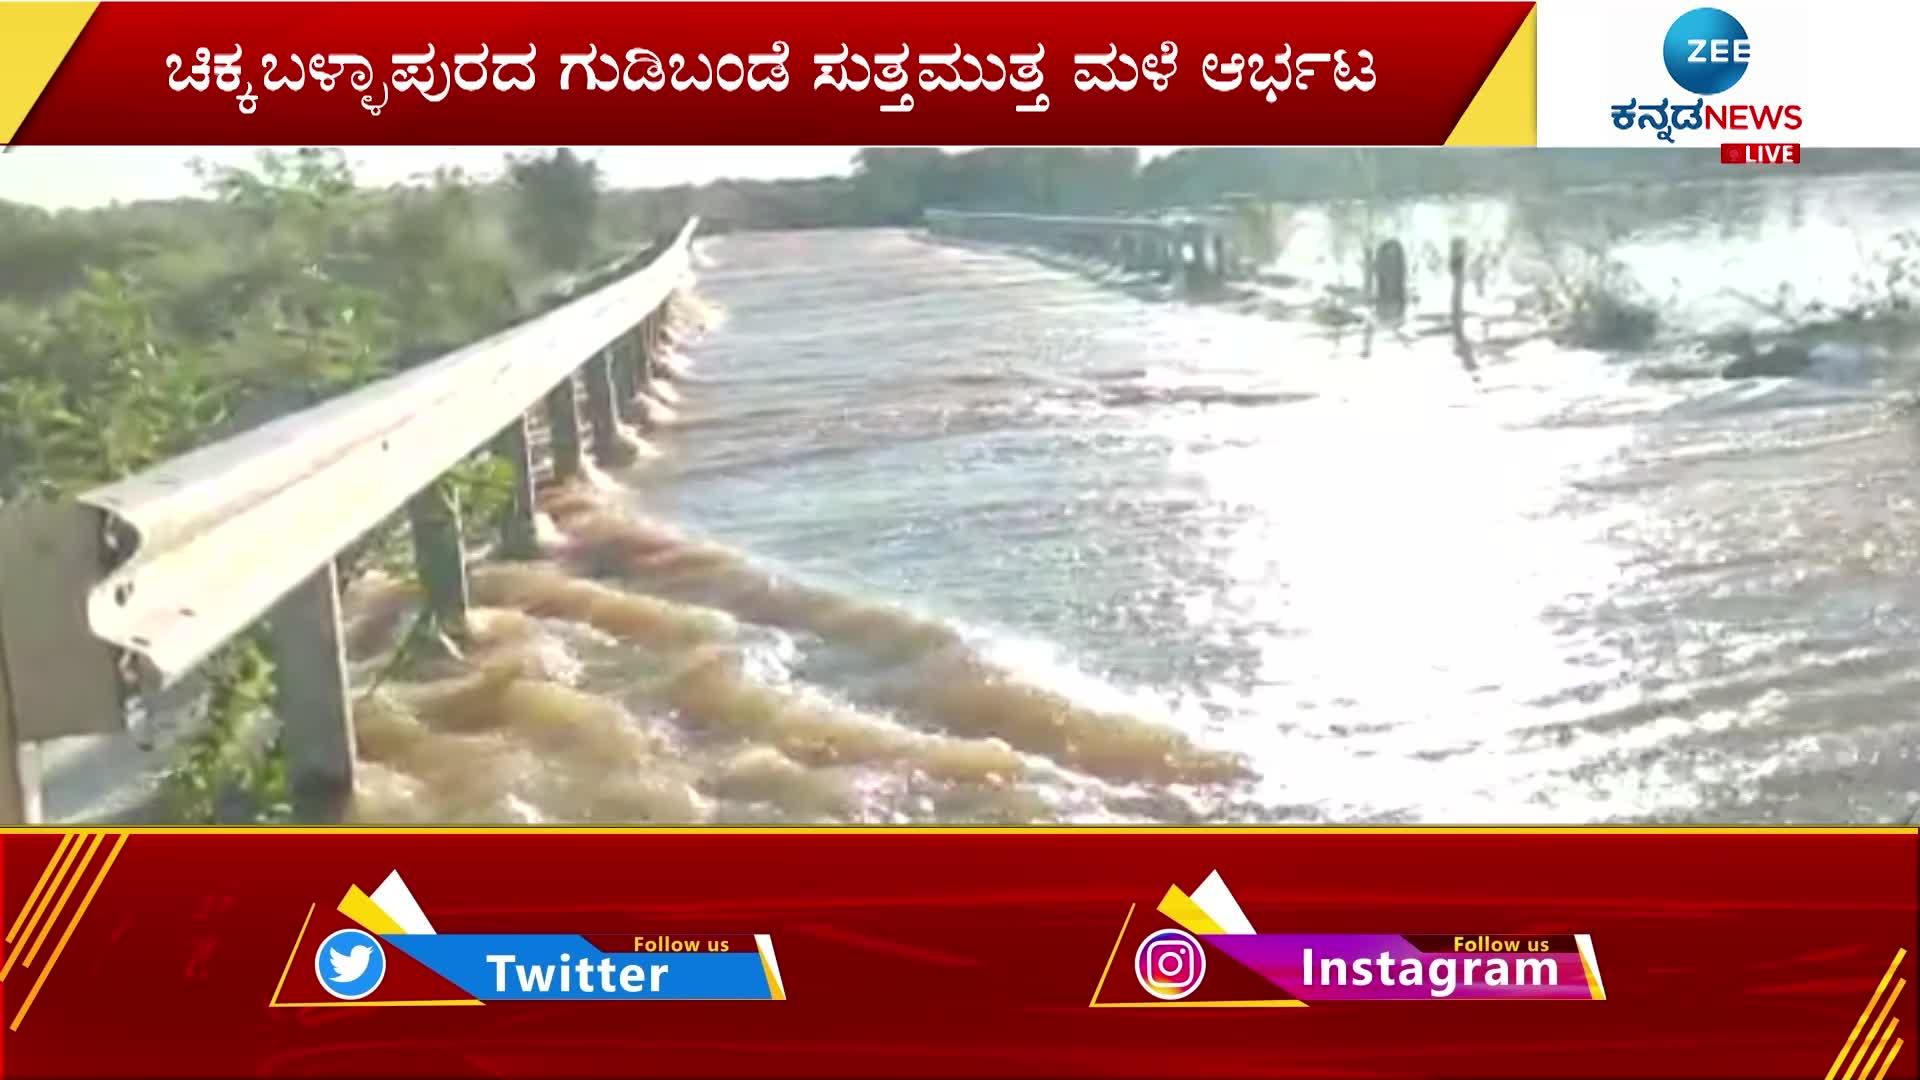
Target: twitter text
x=608, y=976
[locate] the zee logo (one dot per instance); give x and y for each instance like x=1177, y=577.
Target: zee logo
x=1170, y=964
x=1707, y=51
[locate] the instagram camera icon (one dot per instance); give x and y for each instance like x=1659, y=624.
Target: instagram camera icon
x=1170, y=964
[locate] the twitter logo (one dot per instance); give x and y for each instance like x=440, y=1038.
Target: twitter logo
x=350, y=964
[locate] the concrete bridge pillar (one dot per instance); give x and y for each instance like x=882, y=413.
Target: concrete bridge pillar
x=563, y=429
x=626, y=365
x=657, y=341
x=1223, y=261
x=1195, y=247
x=602, y=413
x=440, y=557
x=647, y=338
x=312, y=696
x=518, y=538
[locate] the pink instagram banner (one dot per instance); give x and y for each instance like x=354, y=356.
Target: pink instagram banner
x=1427, y=967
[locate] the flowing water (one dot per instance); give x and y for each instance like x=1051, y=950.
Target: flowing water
x=940, y=533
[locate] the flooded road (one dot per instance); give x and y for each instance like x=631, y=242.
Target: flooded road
x=939, y=533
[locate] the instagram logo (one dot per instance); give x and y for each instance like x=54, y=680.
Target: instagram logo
x=1169, y=964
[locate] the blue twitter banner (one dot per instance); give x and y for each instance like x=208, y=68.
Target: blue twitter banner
x=566, y=967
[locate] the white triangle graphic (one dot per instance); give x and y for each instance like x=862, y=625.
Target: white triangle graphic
x=1214, y=898
x=394, y=898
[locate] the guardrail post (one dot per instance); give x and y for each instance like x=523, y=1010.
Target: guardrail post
x=644, y=371
x=626, y=376
x=439, y=555
x=19, y=772
x=563, y=429
x=620, y=375
x=18, y=793
x=311, y=696
x=648, y=339
x=518, y=539
x=657, y=336
x=601, y=412
x=1457, y=269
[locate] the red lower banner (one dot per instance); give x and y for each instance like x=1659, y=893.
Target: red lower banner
x=1085, y=952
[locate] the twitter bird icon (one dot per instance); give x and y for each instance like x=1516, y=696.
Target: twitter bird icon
x=350, y=964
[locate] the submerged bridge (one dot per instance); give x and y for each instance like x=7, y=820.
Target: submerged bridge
x=1190, y=249
x=110, y=599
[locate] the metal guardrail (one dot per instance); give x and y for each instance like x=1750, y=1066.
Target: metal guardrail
x=125, y=589
x=1058, y=221
x=1188, y=247
x=1158, y=221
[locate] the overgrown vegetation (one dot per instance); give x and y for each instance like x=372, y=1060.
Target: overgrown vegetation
x=1580, y=288
x=1886, y=291
x=1571, y=260
x=231, y=769
x=131, y=334
x=555, y=199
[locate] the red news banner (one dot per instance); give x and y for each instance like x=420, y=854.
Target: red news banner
x=773, y=73
x=947, y=952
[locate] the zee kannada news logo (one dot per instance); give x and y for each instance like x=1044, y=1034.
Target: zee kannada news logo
x=1707, y=52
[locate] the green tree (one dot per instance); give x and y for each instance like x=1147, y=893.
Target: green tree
x=556, y=199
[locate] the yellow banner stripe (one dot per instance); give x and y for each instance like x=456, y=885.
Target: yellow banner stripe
x=1888, y=1064
x=1118, y=938
x=61, y=946
x=1179, y=907
x=38, y=37
x=33, y=897
x=33, y=919
x=1593, y=984
x=774, y=989
x=66, y=893
x=1847, y=1047
x=360, y=907
x=1050, y=831
x=1504, y=111
x=1878, y=1046
x=285, y=971
x=1874, y=1031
